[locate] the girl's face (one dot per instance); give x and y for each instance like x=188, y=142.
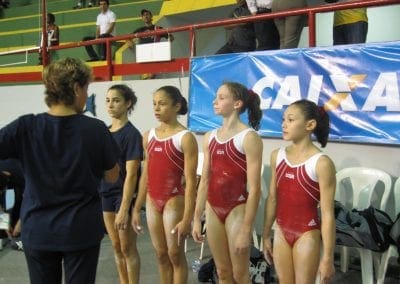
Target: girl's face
x=116, y=104
x=163, y=107
x=224, y=103
x=294, y=125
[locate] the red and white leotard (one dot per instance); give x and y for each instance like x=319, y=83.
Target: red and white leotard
x=298, y=196
x=165, y=168
x=228, y=179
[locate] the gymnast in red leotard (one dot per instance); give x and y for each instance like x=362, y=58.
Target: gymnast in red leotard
x=165, y=165
x=302, y=179
x=229, y=188
x=227, y=185
x=297, y=197
x=169, y=182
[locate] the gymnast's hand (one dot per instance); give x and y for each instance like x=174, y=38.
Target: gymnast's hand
x=267, y=250
x=196, y=232
x=121, y=220
x=182, y=230
x=242, y=243
x=326, y=270
x=137, y=222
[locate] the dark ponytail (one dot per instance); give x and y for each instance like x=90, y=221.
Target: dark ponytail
x=251, y=102
x=312, y=111
x=175, y=95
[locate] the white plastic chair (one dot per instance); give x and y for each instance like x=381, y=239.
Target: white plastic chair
x=362, y=185
x=259, y=221
x=392, y=250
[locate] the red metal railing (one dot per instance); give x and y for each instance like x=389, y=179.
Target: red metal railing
x=182, y=64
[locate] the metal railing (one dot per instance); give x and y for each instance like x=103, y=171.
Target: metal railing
x=106, y=72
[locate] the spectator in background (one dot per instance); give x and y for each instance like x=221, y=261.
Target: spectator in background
x=147, y=18
x=242, y=37
x=350, y=26
x=105, y=27
x=289, y=28
x=81, y=4
x=53, y=38
x=4, y=4
x=266, y=32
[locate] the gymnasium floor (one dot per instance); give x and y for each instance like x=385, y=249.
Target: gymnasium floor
x=13, y=268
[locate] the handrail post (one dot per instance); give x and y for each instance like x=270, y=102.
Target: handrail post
x=109, y=60
x=44, y=52
x=192, y=41
x=311, y=29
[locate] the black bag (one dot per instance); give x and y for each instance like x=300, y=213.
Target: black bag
x=4, y=179
x=260, y=271
x=368, y=228
x=207, y=272
x=395, y=235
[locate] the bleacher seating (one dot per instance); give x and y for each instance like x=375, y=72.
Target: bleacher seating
x=21, y=24
x=20, y=27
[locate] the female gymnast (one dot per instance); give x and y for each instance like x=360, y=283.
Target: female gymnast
x=302, y=179
x=230, y=187
x=169, y=182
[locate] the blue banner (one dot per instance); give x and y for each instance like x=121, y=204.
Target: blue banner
x=358, y=85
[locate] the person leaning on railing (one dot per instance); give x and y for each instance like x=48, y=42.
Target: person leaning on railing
x=242, y=37
x=349, y=26
x=53, y=37
x=147, y=18
x=289, y=28
x=266, y=32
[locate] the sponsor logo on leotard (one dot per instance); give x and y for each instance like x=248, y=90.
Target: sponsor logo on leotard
x=220, y=152
x=158, y=149
x=289, y=175
x=241, y=198
x=312, y=223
